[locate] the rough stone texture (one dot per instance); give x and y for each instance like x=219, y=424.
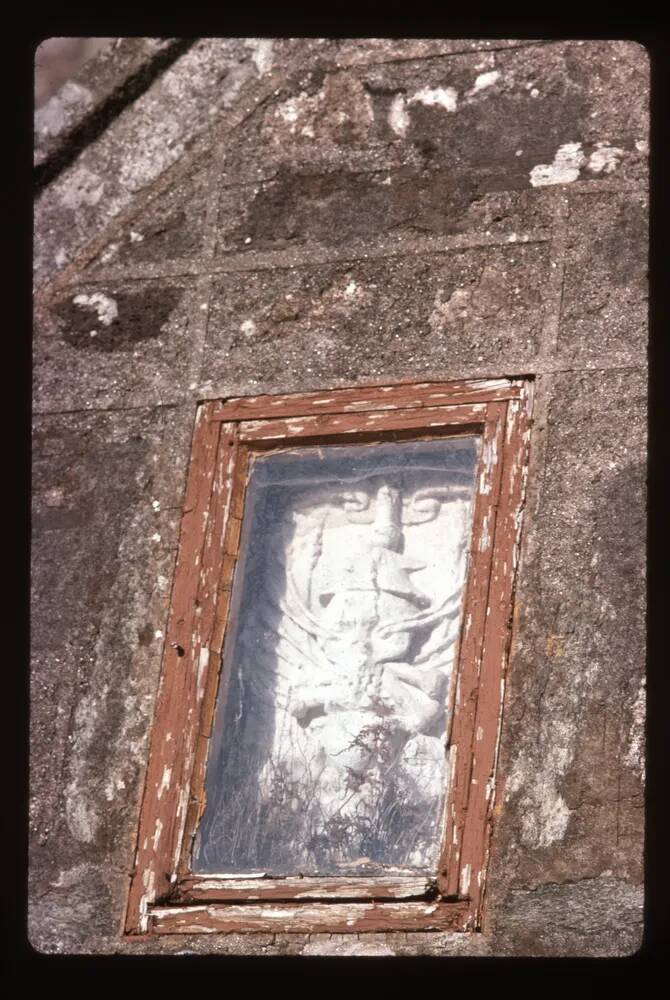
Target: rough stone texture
x=171, y=226
x=600, y=916
x=107, y=489
x=461, y=208
x=297, y=208
x=146, y=139
x=95, y=83
x=279, y=330
x=605, y=286
x=85, y=359
x=570, y=764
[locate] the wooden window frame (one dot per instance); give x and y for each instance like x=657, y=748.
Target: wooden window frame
x=164, y=897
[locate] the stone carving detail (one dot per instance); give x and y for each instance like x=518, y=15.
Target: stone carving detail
x=331, y=753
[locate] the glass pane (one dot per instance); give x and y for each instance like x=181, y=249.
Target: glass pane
x=328, y=752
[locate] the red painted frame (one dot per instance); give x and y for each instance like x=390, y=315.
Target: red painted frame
x=164, y=896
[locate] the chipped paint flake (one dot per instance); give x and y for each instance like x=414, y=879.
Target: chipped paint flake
x=203, y=661
x=157, y=833
x=485, y=537
x=165, y=781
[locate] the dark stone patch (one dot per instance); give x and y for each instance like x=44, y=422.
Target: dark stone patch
x=490, y=142
x=144, y=354
x=145, y=635
x=622, y=245
x=140, y=317
x=334, y=208
x=480, y=140
x=57, y=520
x=70, y=908
x=93, y=649
x=171, y=226
x=595, y=916
x=88, y=470
x=402, y=315
x=579, y=649
x=297, y=207
x=604, y=303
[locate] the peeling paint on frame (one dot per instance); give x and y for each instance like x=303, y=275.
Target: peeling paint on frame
x=213, y=509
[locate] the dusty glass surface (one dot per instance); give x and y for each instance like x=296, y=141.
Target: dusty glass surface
x=328, y=752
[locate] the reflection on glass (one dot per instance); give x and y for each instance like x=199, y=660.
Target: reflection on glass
x=328, y=752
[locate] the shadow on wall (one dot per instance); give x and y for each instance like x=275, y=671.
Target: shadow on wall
x=59, y=59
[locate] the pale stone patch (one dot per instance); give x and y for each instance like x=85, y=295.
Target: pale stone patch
x=635, y=754
x=442, y=97
x=398, y=117
x=105, y=306
x=52, y=118
x=82, y=187
x=568, y=161
x=485, y=80
x=548, y=823
x=289, y=110
x=248, y=328
x=604, y=159
x=261, y=53
x=351, y=946
x=156, y=152
x=110, y=252
x=545, y=814
x=454, y=309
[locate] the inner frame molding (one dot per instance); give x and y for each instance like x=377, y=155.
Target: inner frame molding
x=165, y=896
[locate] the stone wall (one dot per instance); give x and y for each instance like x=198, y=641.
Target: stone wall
x=274, y=216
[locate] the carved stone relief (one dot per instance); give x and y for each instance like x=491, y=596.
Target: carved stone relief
x=329, y=751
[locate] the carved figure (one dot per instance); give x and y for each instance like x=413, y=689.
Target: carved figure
x=332, y=753
x=361, y=661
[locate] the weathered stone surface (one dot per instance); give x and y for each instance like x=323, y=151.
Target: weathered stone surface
x=488, y=121
x=448, y=163
x=604, y=305
x=306, y=327
x=597, y=917
x=123, y=345
x=361, y=51
x=143, y=142
x=171, y=226
x=590, y=93
x=95, y=83
x=297, y=207
x=570, y=754
x=107, y=491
